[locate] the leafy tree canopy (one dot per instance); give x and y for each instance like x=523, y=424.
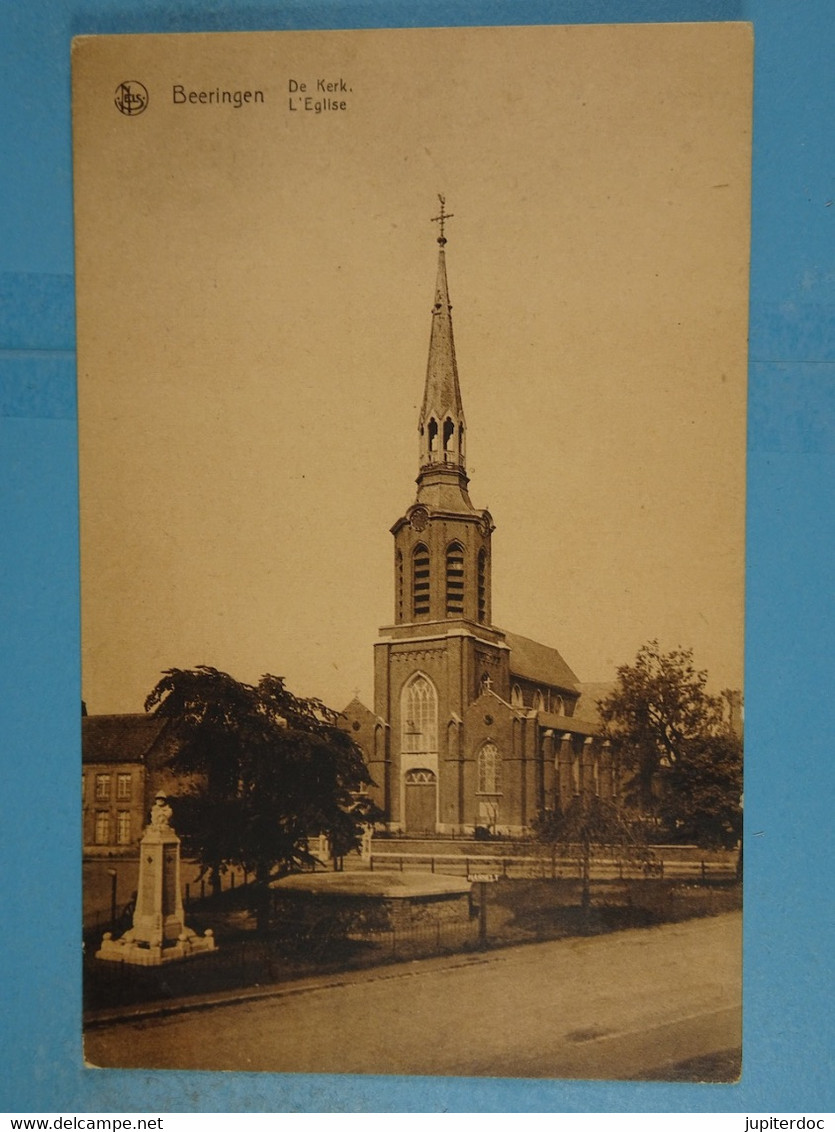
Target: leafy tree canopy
x=267, y=771
x=667, y=729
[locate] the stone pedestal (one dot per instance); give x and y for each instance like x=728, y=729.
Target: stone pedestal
x=159, y=931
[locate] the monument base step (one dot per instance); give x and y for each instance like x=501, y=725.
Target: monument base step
x=127, y=950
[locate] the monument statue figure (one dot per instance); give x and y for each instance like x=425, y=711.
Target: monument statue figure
x=161, y=812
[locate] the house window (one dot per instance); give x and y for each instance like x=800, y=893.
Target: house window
x=489, y=770
x=420, y=716
x=123, y=787
x=123, y=827
x=102, y=833
x=455, y=580
x=102, y=787
x=420, y=587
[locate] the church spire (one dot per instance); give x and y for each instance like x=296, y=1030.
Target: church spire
x=442, y=426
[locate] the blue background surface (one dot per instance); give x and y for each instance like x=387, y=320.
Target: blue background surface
x=791, y=470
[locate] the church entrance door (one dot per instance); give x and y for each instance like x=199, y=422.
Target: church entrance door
x=421, y=801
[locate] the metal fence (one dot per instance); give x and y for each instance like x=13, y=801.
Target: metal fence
x=553, y=866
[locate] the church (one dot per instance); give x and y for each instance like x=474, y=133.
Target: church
x=474, y=729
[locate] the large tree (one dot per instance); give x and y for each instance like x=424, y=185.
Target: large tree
x=265, y=771
x=681, y=753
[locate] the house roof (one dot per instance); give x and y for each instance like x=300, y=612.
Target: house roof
x=119, y=738
x=533, y=661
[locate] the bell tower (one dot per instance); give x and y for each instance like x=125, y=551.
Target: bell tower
x=442, y=543
x=442, y=651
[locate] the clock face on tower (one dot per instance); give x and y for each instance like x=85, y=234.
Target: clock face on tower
x=419, y=518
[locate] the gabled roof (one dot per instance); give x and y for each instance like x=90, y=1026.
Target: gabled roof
x=356, y=707
x=119, y=738
x=540, y=663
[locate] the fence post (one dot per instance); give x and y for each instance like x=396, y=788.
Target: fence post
x=371, y=862
x=704, y=873
x=401, y=864
x=432, y=864
x=482, y=914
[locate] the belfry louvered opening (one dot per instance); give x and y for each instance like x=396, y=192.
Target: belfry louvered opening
x=482, y=586
x=420, y=581
x=455, y=580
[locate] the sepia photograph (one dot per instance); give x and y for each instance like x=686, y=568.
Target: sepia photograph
x=412, y=429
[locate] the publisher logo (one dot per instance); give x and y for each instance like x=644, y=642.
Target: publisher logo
x=131, y=98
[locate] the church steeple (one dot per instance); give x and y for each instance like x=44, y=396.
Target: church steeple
x=442, y=426
x=442, y=543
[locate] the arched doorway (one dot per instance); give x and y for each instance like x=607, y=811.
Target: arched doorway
x=421, y=803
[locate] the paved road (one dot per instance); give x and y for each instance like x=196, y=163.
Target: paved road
x=610, y=1007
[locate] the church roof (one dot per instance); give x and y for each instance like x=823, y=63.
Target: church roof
x=589, y=696
x=442, y=393
x=533, y=661
x=119, y=738
x=356, y=707
x=573, y=723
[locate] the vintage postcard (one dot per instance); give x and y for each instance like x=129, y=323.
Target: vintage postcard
x=412, y=390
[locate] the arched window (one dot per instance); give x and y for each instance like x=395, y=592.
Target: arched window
x=516, y=696
x=399, y=584
x=575, y=772
x=557, y=705
x=433, y=436
x=419, y=714
x=420, y=581
x=489, y=769
x=538, y=701
x=455, y=580
x=482, y=585
x=448, y=436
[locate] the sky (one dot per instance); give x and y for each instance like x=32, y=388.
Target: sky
x=254, y=296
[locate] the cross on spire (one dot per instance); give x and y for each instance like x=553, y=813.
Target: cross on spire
x=441, y=219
